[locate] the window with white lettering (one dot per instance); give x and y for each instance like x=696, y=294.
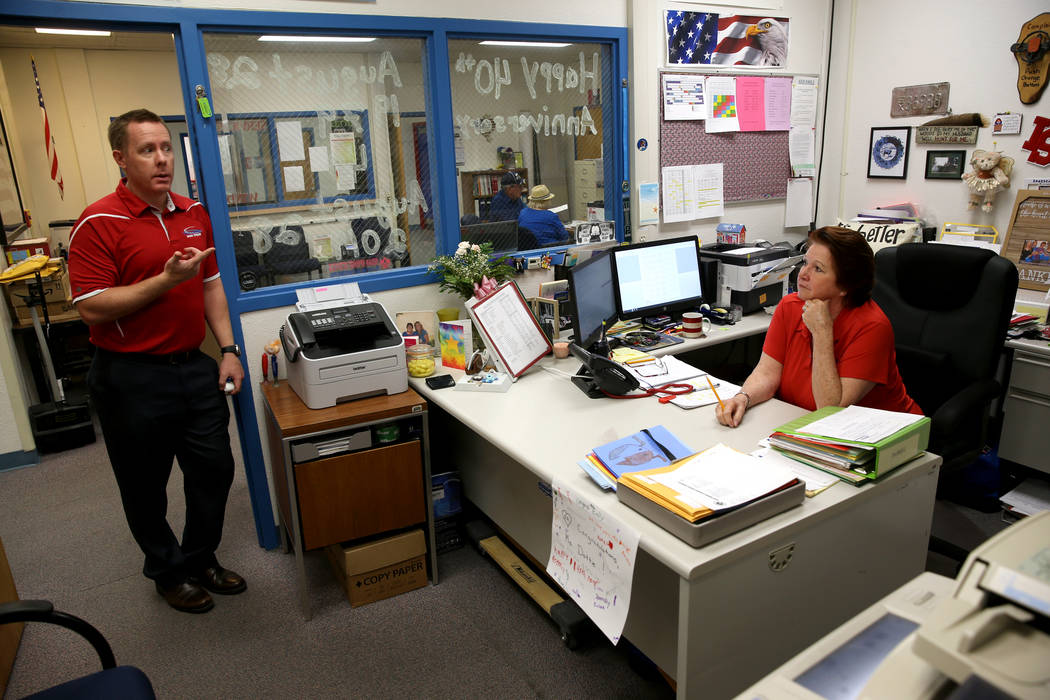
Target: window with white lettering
x=529, y=139
x=323, y=146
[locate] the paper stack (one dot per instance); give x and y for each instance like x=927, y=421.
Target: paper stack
x=646, y=449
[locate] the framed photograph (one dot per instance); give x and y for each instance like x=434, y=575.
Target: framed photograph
x=1027, y=242
x=945, y=165
x=888, y=152
x=546, y=311
x=423, y=325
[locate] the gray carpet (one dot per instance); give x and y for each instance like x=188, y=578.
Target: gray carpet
x=473, y=635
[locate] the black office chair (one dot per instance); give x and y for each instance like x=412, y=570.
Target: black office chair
x=950, y=307
x=111, y=682
x=251, y=272
x=290, y=254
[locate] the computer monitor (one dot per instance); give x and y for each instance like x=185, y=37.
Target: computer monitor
x=657, y=277
x=592, y=292
x=503, y=235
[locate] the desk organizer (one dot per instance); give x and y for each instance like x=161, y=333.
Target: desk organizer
x=717, y=526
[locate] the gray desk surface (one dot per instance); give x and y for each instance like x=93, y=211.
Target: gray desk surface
x=546, y=423
x=1041, y=347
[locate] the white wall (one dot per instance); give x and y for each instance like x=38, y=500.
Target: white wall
x=963, y=42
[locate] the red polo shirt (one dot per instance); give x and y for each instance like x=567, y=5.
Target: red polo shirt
x=863, y=347
x=120, y=240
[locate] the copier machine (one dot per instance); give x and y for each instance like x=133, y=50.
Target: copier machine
x=751, y=276
x=985, y=634
x=340, y=346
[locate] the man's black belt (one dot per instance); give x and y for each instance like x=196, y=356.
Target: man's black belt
x=171, y=358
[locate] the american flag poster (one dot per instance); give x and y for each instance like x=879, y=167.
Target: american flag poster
x=706, y=38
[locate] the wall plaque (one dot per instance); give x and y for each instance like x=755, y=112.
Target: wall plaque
x=946, y=134
x=913, y=100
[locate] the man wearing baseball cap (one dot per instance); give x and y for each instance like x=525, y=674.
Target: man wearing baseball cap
x=507, y=203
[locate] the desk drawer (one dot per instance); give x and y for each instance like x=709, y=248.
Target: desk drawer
x=1030, y=373
x=359, y=494
x=1025, y=418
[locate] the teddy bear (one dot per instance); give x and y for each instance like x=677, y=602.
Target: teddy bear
x=991, y=173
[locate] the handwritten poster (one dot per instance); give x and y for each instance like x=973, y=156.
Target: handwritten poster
x=592, y=558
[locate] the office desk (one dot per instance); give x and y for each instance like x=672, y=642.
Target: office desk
x=716, y=618
x=1026, y=408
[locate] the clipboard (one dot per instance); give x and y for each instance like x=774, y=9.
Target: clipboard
x=510, y=329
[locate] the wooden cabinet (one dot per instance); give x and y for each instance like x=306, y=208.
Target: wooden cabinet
x=348, y=472
x=478, y=187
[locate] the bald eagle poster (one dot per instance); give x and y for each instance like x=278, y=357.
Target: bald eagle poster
x=706, y=38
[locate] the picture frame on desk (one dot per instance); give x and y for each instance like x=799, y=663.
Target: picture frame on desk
x=1027, y=241
x=547, y=314
x=888, y=152
x=945, y=165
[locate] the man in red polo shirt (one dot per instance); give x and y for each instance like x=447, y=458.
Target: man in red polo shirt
x=144, y=279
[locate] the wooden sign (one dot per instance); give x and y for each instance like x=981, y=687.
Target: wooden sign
x=915, y=100
x=946, y=134
x=1027, y=243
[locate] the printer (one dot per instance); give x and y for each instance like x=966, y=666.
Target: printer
x=342, y=346
x=984, y=634
x=751, y=276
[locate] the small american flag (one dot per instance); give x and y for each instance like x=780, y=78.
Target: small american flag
x=49, y=139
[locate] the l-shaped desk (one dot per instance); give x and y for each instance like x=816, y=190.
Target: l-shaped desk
x=719, y=617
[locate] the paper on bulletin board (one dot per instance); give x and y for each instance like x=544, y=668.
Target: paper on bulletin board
x=648, y=203
x=798, y=210
x=319, y=159
x=778, y=104
x=345, y=177
x=344, y=150
x=683, y=96
x=592, y=558
x=751, y=103
x=804, y=101
x=693, y=192
x=720, y=95
x=801, y=152
x=293, y=178
x=290, y=140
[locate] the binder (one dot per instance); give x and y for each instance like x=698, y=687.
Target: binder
x=889, y=452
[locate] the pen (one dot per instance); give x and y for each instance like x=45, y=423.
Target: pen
x=715, y=392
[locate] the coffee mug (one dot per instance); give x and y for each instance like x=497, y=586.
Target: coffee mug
x=695, y=324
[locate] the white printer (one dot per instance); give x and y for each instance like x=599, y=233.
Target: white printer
x=983, y=635
x=340, y=346
x=751, y=276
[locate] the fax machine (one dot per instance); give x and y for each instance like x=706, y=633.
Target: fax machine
x=750, y=276
x=345, y=352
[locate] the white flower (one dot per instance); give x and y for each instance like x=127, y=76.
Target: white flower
x=460, y=251
x=464, y=244
x=476, y=248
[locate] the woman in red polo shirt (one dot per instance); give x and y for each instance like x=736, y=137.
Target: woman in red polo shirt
x=828, y=344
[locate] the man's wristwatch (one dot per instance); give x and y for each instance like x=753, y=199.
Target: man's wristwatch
x=235, y=349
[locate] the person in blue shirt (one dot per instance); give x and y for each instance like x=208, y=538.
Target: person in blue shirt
x=507, y=203
x=539, y=220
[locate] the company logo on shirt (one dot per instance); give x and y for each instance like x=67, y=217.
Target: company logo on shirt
x=190, y=232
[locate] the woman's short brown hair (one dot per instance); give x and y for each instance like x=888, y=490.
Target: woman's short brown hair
x=854, y=262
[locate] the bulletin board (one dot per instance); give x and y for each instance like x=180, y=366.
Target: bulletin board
x=757, y=163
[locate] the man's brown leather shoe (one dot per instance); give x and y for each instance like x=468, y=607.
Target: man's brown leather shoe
x=186, y=597
x=219, y=580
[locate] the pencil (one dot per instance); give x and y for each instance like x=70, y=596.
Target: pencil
x=715, y=392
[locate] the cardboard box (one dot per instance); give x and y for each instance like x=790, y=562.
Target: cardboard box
x=382, y=568
x=20, y=250
x=56, y=311
x=55, y=291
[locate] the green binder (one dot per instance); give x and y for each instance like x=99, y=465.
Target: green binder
x=889, y=453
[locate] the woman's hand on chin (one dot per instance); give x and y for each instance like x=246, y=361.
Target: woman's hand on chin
x=817, y=316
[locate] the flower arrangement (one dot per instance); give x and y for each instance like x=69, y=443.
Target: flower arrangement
x=470, y=267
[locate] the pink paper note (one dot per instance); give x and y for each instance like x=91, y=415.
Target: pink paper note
x=750, y=103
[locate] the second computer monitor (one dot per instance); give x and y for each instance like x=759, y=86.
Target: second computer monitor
x=592, y=293
x=657, y=277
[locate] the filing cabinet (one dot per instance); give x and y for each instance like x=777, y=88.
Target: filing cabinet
x=1026, y=410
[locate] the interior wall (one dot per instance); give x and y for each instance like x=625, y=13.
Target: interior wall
x=937, y=41
x=807, y=55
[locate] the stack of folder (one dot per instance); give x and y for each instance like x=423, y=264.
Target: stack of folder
x=844, y=454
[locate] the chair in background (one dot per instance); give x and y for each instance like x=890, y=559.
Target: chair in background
x=111, y=682
x=397, y=254
x=290, y=254
x=950, y=307
x=251, y=272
